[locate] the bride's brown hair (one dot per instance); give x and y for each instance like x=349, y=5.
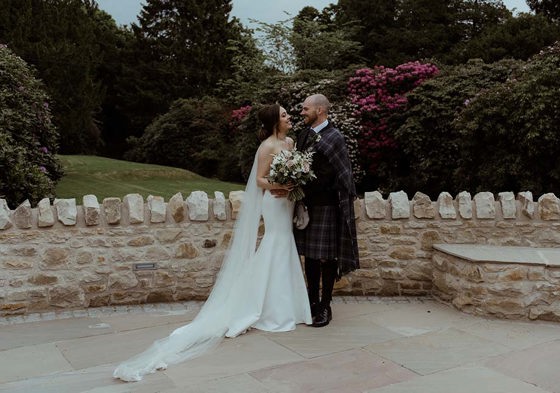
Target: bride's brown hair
x=269, y=116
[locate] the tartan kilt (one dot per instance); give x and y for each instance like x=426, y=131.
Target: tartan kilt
x=320, y=239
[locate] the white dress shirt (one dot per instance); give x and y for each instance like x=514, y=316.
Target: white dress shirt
x=320, y=126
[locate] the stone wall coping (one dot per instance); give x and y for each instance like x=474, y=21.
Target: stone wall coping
x=502, y=254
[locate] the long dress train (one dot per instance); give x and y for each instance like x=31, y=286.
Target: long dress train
x=259, y=287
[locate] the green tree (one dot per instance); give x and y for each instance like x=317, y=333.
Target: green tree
x=548, y=8
x=119, y=116
x=372, y=20
x=395, y=32
x=477, y=15
x=185, y=44
x=249, y=71
x=422, y=29
x=518, y=37
x=179, y=50
x=317, y=45
x=274, y=40
x=61, y=39
x=28, y=166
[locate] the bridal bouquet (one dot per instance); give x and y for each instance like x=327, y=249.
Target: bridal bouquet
x=292, y=166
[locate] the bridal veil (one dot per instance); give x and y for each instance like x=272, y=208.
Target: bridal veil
x=213, y=321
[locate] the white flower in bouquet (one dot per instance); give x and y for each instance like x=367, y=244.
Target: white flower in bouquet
x=292, y=167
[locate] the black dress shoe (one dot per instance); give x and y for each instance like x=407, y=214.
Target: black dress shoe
x=323, y=317
x=315, y=308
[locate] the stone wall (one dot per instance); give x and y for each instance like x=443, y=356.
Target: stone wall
x=131, y=251
x=497, y=281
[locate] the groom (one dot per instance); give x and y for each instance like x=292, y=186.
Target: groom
x=329, y=242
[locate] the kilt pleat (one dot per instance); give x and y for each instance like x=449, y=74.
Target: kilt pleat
x=320, y=239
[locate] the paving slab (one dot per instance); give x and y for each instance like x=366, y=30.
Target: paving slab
x=474, y=379
x=142, y=320
x=95, y=379
x=413, y=319
x=242, y=383
x=343, y=333
x=249, y=352
x=342, y=311
x=351, y=371
x=538, y=365
x=437, y=351
x=30, y=361
x=514, y=334
x=97, y=350
x=30, y=333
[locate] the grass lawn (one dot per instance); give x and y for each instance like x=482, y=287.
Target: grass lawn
x=105, y=177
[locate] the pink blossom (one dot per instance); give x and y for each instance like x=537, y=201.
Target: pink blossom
x=378, y=93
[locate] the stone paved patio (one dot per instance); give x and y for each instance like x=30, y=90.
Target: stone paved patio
x=373, y=345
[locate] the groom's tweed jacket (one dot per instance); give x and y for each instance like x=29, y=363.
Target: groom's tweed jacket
x=334, y=186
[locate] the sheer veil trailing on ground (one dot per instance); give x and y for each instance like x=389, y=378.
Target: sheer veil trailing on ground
x=221, y=311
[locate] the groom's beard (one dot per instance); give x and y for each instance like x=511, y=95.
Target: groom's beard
x=309, y=120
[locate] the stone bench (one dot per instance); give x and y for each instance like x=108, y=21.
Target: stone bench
x=500, y=281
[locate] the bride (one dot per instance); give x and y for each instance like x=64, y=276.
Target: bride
x=257, y=287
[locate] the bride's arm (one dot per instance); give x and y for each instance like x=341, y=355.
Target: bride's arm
x=263, y=168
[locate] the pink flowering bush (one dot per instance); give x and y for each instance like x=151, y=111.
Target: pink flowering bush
x=238, y=115
x=291, y=93
x=362, y=105
x=378, y=94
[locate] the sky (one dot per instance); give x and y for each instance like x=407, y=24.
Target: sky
x=270, y=11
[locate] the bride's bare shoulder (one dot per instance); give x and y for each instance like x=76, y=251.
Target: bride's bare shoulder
x=266, y=148
x=290, y=142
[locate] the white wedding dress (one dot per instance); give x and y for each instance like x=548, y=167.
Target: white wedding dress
x=276, y=298
x=257, y=287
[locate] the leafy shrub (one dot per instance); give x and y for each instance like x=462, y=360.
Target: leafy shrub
x=195, y=135
x=28, y=138
x=431, y=144
x=509, y=133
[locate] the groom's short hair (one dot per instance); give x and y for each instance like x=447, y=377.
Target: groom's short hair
x=321, y=100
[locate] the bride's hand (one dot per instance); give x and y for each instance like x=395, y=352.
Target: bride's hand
x=279, y=192
x=282, y=190
x=287, y=187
